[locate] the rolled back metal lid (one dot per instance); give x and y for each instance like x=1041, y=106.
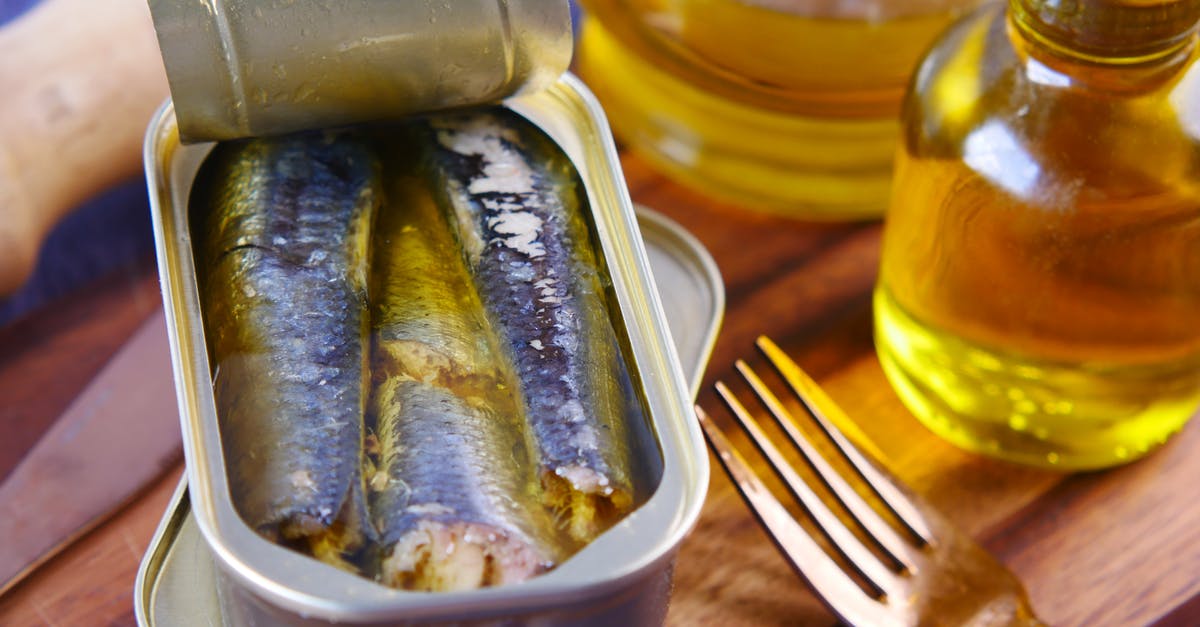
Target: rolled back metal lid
x=244, y=68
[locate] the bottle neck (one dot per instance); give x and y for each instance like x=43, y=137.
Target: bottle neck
x=1110, y=32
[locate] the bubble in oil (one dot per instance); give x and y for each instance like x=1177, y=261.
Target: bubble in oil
x=1028, y=372
x=984, y=361
x=1058, y=408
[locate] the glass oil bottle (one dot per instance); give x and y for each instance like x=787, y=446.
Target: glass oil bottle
x=789, y=106
x=1039, y=295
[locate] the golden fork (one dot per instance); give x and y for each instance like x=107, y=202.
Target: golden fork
x=914, y=570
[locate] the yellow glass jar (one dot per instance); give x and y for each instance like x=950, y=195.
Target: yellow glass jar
x=785, y=105
x=1039, y=295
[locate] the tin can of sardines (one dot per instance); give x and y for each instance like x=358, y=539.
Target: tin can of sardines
x=580, y=541
x=177, y=580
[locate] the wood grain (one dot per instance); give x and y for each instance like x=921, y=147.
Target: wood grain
x=91, y=583
x=126, y=421
x=47, y=358
x=1120, y=547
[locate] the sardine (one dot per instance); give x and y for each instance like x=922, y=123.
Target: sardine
x=281, y=229
x=516, y=204
x=454, y=496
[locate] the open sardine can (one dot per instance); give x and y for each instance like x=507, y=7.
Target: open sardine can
x=622, y=575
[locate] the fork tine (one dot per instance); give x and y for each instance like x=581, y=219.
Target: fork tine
x=877, y=527
x=842, y=538
x=832, y=585
x=823, y=408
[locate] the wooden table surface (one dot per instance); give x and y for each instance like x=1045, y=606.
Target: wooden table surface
x=1112, y=548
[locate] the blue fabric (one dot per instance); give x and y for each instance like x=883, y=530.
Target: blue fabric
x=12, y=8
x=576, y=17
x=109, y=233
x=106, y=234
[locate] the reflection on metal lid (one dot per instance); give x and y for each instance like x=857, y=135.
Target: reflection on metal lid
x=240, y=71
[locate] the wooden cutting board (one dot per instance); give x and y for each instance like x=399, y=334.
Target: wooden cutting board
x=1110, y=548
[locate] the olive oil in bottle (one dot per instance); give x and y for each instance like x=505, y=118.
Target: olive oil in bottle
x=1039, y=295
x=785, y=105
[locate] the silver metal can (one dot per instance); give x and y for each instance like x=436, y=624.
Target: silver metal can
x=178, y=580
x=622, y=576
x=242, y=68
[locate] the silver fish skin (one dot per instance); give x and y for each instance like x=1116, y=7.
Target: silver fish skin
x=516, y=203
x=281, y=234
x=454, y=495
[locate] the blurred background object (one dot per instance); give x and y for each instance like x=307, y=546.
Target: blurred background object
x=786, y=105
x=1040, y=282
x=68, y=132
